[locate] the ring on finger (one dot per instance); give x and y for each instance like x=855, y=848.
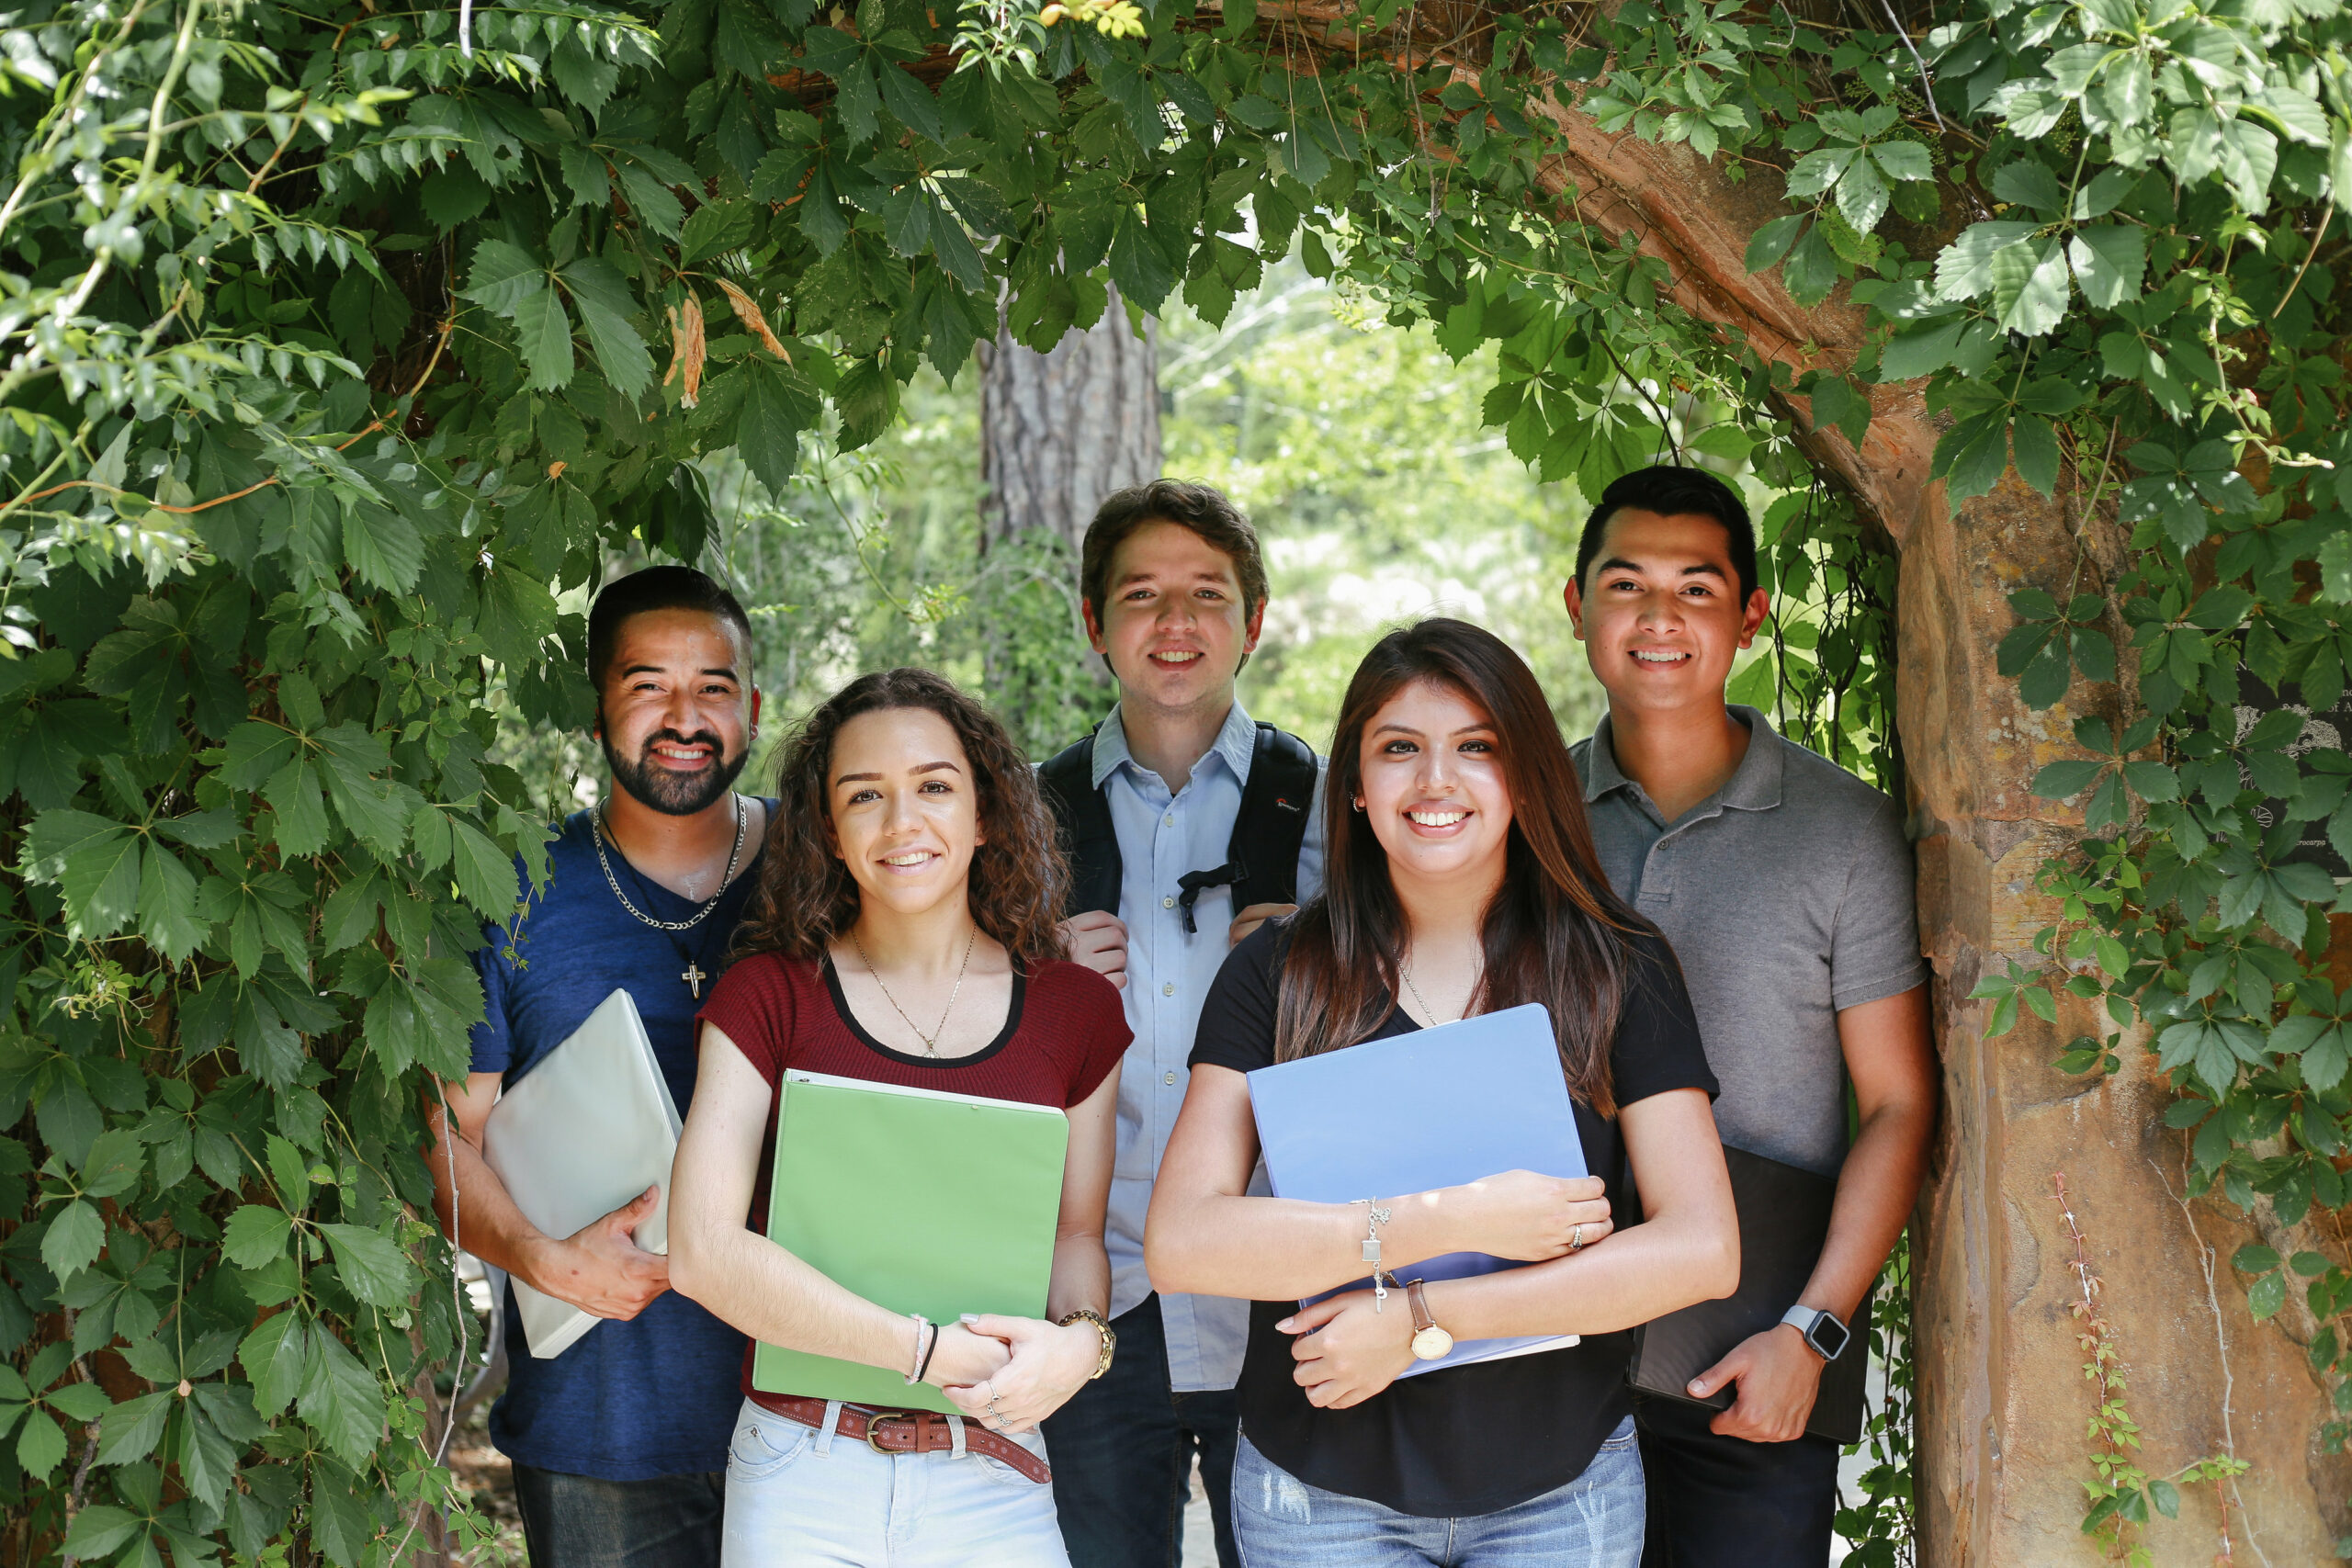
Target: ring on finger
x=1576, y=1237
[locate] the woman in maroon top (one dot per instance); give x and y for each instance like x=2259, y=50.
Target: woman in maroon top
x=904, y=933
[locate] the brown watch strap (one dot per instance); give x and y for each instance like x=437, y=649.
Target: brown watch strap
x=1420, y=1302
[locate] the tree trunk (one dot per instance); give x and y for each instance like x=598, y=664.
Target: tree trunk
x=1058, y=432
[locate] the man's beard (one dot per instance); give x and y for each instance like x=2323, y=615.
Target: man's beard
x=674, y=795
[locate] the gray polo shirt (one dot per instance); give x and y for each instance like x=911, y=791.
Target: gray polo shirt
x=1787, y=894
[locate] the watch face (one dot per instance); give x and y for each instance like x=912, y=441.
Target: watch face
x=1828, y=1337
x=1431, y=1343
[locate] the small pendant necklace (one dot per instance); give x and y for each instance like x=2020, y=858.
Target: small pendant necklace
x=694, y=974
x=930, y=1040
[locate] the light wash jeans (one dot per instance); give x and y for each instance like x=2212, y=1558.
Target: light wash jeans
x=1595, y=1521
x=799, y=1498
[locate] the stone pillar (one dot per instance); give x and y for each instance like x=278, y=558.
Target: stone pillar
x=2003, y=1401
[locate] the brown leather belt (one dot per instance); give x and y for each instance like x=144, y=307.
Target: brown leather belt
x=906, y=1431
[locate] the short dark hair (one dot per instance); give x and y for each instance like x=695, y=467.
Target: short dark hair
x=1204, y=509
x=1668, y=491
x=655, y=588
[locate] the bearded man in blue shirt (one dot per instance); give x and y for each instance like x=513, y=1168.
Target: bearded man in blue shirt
x=1189, y=824
x=619, y=1443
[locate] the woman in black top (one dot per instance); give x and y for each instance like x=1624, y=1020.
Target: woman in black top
x=1461, y=880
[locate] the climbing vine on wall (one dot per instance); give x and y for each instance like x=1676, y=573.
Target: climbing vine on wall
x=337, y=341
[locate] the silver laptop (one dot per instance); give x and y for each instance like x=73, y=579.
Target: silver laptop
x=587, y=1129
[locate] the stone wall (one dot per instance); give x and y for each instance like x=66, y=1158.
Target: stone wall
x=2003, y=1399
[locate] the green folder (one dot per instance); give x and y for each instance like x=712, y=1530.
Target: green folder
x=920, y=1201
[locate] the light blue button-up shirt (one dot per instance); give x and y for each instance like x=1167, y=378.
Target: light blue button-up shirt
x=1161, y=836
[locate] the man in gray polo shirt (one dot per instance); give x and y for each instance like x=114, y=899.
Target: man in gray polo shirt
x=1785, y=884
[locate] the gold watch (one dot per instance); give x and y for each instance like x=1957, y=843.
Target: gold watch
x=1430, y=1342
x=1102, y=1326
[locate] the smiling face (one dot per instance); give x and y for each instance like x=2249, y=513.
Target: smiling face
x=1172, y=621
x=905, y=809
x=1660, y=613
x=677, y=709
x=1433, y=787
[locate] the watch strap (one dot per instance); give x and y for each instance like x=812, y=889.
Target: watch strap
x=1418, y=1300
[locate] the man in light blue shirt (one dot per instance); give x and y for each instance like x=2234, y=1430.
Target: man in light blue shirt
x=1190, y=824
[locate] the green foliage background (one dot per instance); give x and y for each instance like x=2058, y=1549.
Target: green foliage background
x=332, y=345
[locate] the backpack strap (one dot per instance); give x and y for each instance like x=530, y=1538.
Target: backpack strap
x=1083, y=815
x=1261, y=857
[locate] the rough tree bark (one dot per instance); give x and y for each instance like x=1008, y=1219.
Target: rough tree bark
x=1058, y=432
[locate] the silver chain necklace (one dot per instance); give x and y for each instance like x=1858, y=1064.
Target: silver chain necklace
x=930, y=1040
x=734, y=858
x=1428, y=1011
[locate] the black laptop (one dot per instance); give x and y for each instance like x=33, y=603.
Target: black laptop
x=1783, y=1220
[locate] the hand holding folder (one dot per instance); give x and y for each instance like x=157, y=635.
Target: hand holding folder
x=919, y=1200
x=1440, y=1107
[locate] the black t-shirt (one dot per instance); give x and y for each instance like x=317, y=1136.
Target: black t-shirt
x=1470, y=1440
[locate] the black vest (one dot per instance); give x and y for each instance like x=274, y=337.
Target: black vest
x=1260, y=859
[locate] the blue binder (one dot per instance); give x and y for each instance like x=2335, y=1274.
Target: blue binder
x=1436, y=1108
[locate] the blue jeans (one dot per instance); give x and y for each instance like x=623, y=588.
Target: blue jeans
x=1123, y=1456
x=580, y=1521
x=800, y=1498
x=1595, y=1521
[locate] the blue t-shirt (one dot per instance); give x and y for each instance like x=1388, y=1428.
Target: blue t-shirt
x=656, y=1395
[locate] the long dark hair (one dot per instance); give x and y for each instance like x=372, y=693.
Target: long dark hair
x=807, y=897
x=1554, y=933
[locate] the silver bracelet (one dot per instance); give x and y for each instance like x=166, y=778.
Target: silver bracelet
x=1374, y=1216
x=914, y=1362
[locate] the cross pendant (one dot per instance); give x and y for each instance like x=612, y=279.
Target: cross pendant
x=693, y=976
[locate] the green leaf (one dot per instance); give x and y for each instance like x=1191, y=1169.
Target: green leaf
x=502, y=277
x=2029, y=288
x=717, y=227
x=132, y=1428
x=255, y=752
x=1772, y=242
x=2033, y=447
x=98, y=1528
x=111, y=1167
x=2109, y=261
x=371, y=1267
x=2062, y=780
x=1964, y=267
x=167, y=917
x=1904, y=160
x=341, y=1398
x=605, y=306
x=41, y=1446
x=2336, y=561
x=1810, y=270
x=274, y=1356
x=255, y=1236
x=543, y=331
x=1142, y=273
x=74, y=1240
x=2266, y=1296
x=1862, y=195
x=94, y=863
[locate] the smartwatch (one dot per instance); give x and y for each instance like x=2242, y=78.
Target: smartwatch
x=1822, y=1330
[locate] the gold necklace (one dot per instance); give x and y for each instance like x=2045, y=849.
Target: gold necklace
x=930, y=1041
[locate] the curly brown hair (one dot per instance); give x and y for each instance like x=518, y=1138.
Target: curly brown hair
x=807, y=898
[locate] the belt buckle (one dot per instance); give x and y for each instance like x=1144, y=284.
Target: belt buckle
x=873, y=1428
